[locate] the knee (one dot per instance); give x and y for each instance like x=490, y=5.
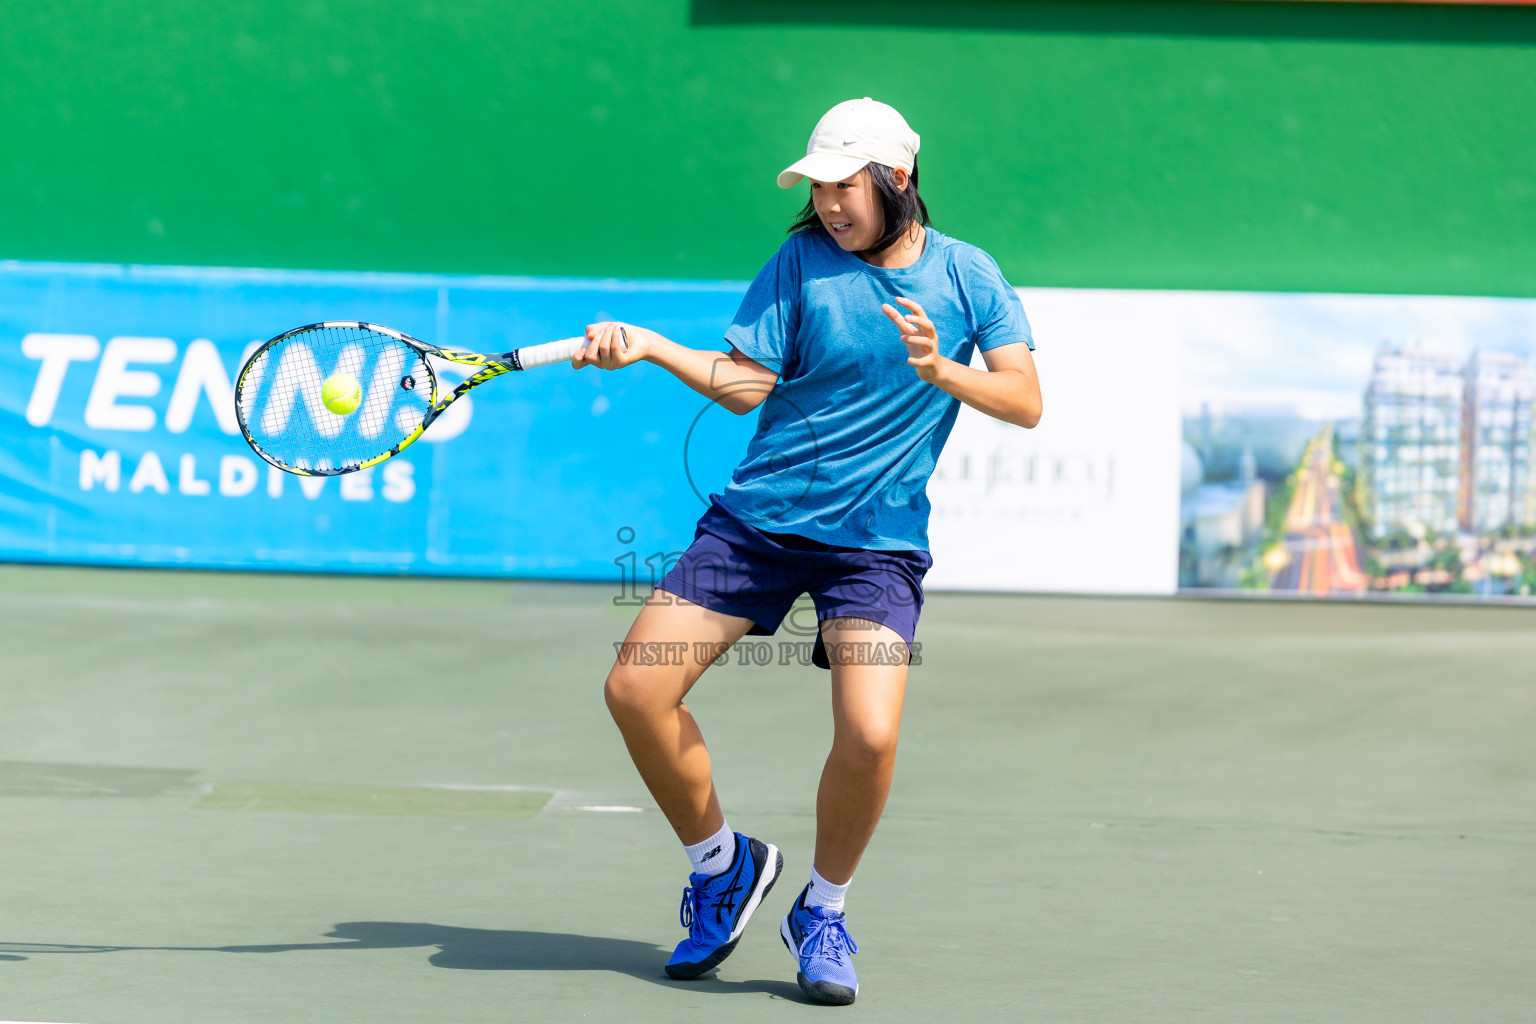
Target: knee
x=622, y=692
x=871, y=745
x=630, y=692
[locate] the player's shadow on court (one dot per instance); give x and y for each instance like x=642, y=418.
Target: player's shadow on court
x=476, y=949
x=485, y=949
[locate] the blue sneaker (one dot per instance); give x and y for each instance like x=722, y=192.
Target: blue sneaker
x=823, y=946
x=716, y=908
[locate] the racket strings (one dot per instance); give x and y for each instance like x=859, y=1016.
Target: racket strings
x=283, y=410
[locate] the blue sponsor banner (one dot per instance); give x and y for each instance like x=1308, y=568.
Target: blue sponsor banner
x=118, y=442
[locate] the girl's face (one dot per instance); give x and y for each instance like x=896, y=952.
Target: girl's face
x=850, y=210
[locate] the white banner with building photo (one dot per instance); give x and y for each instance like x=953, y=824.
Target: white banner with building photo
x=1346, y=445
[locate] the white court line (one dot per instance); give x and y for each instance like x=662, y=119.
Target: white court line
x=551, y=806
x=466, y=788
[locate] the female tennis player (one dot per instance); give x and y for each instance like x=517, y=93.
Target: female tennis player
x=854, y=343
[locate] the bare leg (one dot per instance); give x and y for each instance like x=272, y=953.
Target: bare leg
x=866, y=719
x=646, y=702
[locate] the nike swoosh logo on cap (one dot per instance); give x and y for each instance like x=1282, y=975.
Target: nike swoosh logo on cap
x=849, y=142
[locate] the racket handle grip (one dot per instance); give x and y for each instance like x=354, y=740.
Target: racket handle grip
x=550, y=352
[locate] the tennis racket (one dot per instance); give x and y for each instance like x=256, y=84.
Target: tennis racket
x=282, y=411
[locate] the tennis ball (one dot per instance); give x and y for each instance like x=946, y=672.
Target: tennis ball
x=341, y=393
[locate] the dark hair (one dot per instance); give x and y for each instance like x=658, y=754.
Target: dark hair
x=902, y=207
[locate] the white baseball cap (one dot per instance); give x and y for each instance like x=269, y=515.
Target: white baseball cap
x=849, y=136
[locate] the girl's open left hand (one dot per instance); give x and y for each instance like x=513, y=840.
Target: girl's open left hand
x=921, y=337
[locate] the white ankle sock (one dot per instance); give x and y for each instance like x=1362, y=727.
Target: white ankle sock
x=714, y=854
x=824, y=894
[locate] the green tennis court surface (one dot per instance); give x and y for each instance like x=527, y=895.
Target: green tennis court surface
x=242, y=798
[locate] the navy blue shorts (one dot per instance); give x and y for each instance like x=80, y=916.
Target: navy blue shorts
x=734, y=568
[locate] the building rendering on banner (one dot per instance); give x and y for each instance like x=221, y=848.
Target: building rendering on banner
x=1496, y=444
x=1447, y=447
x=1410, y=442
x=1220, y=522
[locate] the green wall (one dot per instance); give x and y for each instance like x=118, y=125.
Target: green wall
x=1198, y=145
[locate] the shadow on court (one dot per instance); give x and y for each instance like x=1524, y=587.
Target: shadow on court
x=468, y=949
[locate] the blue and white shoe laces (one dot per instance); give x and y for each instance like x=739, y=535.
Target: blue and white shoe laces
x=687, y=914
x=825, y=939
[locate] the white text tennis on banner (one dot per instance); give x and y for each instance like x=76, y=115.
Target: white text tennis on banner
x=124, y=383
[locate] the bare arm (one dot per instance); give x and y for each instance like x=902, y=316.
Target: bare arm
x=1008, y=389
x=729, y=378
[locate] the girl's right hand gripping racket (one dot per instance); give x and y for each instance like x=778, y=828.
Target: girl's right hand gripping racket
x=283, y=415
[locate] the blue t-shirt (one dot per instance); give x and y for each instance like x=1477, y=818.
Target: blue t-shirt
x=849, y=436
